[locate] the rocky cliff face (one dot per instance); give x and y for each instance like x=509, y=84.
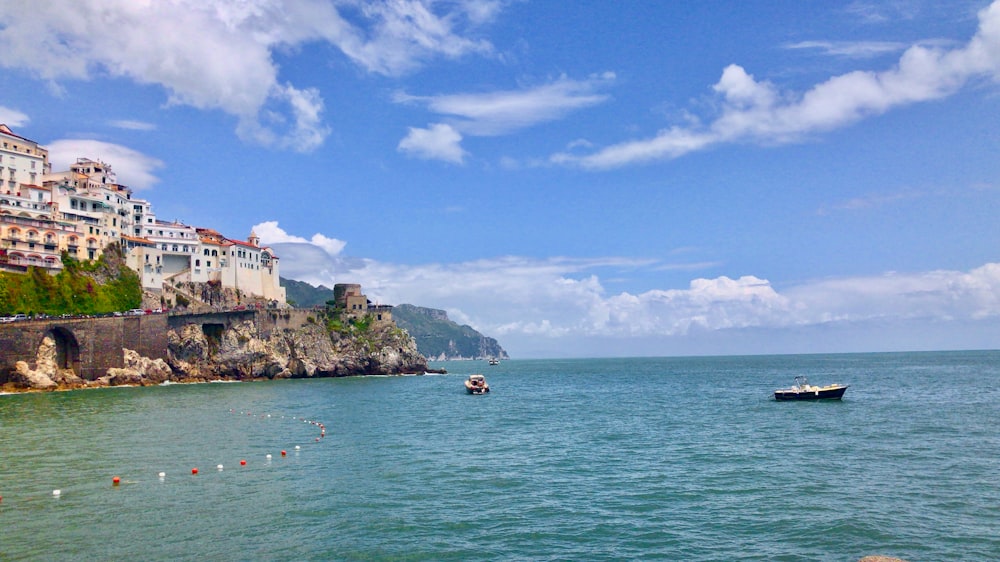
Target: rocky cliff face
x=441, y=339
x=241, y=353
x=310, y=351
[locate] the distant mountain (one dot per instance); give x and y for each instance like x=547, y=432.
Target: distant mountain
x=303, y=294
x=438, y=338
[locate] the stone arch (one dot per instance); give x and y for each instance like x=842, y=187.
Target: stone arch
x=67, y=353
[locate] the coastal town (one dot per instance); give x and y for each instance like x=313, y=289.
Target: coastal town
x=84, y=209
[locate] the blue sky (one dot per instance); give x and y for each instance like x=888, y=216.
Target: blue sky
x=584, y=179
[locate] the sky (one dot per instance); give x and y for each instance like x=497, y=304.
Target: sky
x=585, y=179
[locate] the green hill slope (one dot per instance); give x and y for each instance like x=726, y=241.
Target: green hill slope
x=437, y=337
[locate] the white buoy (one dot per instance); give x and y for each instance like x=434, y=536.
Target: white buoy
x=268, y=457
x=162, y=475
x=219, y=467
x=296, y=447
x=56, y=493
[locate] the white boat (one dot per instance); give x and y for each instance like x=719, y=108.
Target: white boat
x=802, y=390
x=476, y=384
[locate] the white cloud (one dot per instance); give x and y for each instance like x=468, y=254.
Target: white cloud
x=753, y=110
x=526, y=302
x=497, y=113
x=132, y=125
x=13, y=118
x=404, y=32
x=132, y=167
x=218, y=54
x=271, y=234
x=437, y=142
x=851, y=49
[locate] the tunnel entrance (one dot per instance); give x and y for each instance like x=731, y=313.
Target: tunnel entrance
x=67, y=352
x=213, y=333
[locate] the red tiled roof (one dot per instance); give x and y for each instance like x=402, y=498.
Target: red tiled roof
x=6, y=130
x=137, y=239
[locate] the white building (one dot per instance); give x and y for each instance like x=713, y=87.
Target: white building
x=22, y=161
x=32, y=233
x=83, y=209
x=146, y=258
x=244, y=266
x=88, y=194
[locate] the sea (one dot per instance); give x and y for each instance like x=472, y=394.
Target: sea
x=685, y=458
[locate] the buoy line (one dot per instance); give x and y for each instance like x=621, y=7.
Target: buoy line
x=116, y=480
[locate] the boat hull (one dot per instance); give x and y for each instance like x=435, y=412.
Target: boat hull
x=825, y=393
x=476, y=384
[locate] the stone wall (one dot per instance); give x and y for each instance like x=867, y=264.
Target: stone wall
x=90, y=346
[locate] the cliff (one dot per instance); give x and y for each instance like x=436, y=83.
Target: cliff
x=320, y=348
x=313, y=350
x=439, y=338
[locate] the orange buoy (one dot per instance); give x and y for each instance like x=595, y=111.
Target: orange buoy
x=243, y=463
x=194, y=471
x=115, y=481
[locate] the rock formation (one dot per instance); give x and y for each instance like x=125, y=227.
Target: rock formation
x=46, y=375
x=242, y=353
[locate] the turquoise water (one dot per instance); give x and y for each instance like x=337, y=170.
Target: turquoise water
x=626, y=459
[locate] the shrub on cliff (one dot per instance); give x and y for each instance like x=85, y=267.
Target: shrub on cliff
x=93, y=287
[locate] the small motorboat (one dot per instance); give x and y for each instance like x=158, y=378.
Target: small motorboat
x=494, y=361
x=802, y=390
x=476, y=384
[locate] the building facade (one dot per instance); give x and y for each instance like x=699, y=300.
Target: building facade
x=82, y=210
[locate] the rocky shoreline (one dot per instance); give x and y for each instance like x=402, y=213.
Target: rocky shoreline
x=239, y=353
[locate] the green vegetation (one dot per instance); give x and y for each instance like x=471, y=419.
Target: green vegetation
x=91, y=287
x=305, y=295
x=437, y=336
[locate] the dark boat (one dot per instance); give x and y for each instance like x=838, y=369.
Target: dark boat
x=802, y=390
x=476, y=384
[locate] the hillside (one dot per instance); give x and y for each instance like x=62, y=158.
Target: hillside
x=89, y=287
x=437, y=337
x=304, y=295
